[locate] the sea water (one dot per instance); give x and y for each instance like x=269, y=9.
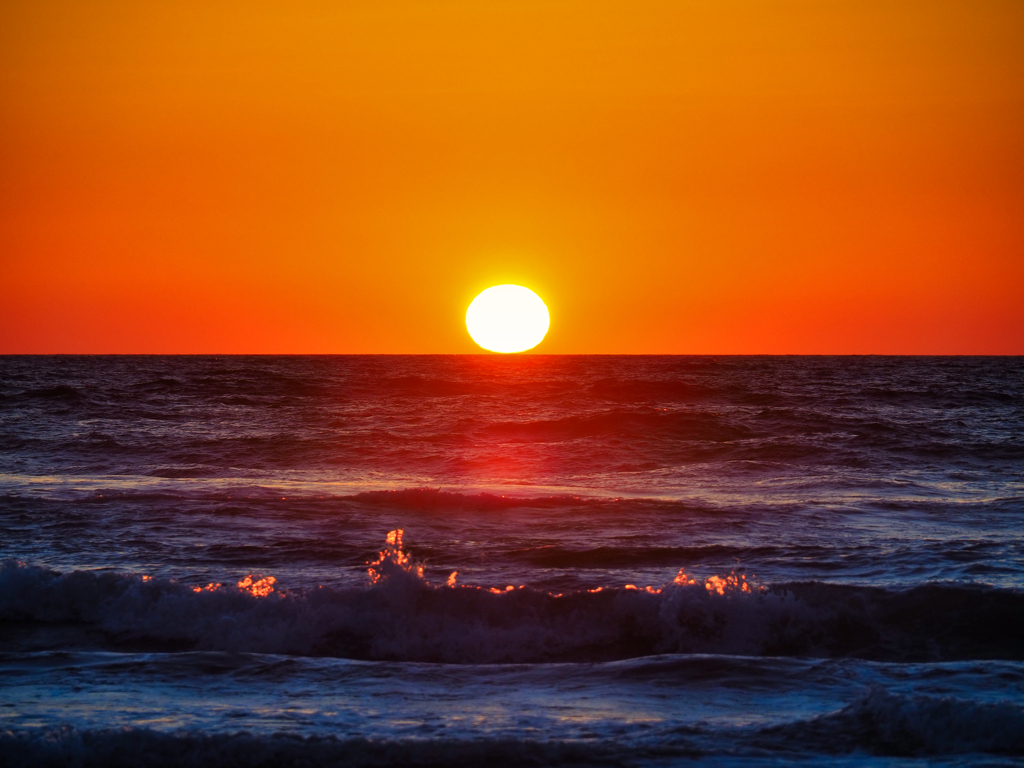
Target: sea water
x=531, y=560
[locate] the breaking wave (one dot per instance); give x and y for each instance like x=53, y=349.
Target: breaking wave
x=885, y=723
x=401, y=615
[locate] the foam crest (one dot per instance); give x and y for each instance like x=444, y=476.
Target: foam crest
x=402, y=615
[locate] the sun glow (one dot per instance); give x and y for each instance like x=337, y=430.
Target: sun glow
x=507, y=318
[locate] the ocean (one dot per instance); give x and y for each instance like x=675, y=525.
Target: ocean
x=511, y=561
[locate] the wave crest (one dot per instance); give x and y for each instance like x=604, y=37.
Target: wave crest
x=401, y=615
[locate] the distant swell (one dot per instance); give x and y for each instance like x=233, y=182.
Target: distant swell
x=60, y=392
x=433, y=499
x=404, y=617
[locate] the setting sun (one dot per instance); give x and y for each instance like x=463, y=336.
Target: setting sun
x=394, y=381
x=507, y=318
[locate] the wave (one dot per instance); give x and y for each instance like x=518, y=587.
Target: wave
x=878, y=723
x=59, y=392
x=428, y=499
x=401, y=615
x=428, y=386
x=885, y=723
x=649, y=423
x=554, y=556
x=253, y=491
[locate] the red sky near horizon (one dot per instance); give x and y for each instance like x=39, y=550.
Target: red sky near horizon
x=721, y=177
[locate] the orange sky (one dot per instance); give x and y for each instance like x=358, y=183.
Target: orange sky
x=671, y=177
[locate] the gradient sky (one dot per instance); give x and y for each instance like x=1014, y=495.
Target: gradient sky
x=671, y=177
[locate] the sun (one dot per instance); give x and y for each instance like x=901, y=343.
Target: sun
x=507, y=318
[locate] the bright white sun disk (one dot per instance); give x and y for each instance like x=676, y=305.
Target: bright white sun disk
x=507, y=318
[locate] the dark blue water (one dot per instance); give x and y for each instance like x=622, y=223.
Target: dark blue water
x=511, y=560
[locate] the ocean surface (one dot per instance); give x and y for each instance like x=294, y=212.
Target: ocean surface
x=511, y=561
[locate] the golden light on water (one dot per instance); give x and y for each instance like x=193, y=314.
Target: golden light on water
x=507, y=318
